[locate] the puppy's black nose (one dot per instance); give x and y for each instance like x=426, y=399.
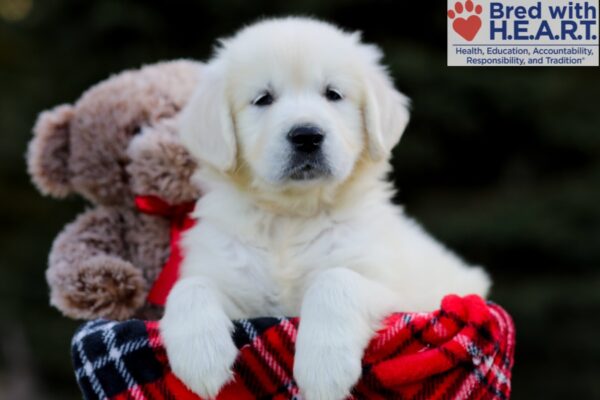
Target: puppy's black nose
x=306, y=138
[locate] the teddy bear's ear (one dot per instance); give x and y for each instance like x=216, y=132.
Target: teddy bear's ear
x=48, y=151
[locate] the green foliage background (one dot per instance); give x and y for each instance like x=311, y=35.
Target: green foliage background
x=502, y=164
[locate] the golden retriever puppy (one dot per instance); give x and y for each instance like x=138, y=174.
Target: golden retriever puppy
x=293, y=124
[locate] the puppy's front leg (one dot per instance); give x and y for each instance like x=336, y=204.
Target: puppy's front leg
x=340, y=312
x=197, y=336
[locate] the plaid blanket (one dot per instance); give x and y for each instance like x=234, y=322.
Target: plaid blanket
x=464, y=350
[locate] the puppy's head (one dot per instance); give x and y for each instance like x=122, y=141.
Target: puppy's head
x=295, y=102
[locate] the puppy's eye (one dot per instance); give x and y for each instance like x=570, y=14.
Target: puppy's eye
x=264, y=99
x=332, y=95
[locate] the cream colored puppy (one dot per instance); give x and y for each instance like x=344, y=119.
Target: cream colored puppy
x=293, y=124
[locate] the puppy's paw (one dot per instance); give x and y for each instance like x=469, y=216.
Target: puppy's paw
x=203, y=361
x=326, y=368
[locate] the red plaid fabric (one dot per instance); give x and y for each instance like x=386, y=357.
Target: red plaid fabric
x=464, y=350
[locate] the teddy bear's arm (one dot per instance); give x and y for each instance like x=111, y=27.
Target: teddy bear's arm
x=90, y=272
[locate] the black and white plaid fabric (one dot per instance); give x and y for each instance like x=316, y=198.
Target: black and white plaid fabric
x=111, y=358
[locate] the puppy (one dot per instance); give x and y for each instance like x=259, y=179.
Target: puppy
x=293, y=124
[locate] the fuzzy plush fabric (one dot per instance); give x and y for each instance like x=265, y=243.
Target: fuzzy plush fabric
x=464, y=350
x=161, y=166
x=82, y=148
x=48, y=153
x=102, y=264
x=117, y=141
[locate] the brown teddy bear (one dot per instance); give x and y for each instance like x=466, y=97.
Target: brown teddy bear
x=114, y=146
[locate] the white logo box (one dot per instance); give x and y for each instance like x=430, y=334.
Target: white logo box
x=523, y=33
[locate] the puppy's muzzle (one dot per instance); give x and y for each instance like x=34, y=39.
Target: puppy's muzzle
x=307, y=160
x=306, y=138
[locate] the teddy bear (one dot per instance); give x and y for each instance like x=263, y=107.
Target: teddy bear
x=115, y=145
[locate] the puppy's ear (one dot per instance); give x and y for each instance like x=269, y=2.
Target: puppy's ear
x=206, y=125
x=386, y=111
x=48, y=152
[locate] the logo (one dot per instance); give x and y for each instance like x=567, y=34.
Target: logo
x=468, y=26
x=523, y=32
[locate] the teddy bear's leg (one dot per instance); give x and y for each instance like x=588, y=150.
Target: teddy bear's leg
x=90, y=273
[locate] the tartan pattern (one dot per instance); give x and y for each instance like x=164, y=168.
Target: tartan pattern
x=464, y=350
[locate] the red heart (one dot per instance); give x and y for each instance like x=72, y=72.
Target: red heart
x=467, y=28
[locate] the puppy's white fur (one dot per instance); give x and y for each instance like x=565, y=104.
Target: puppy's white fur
x=333, y=249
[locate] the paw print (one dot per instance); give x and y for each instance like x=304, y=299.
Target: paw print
x=467, y=27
